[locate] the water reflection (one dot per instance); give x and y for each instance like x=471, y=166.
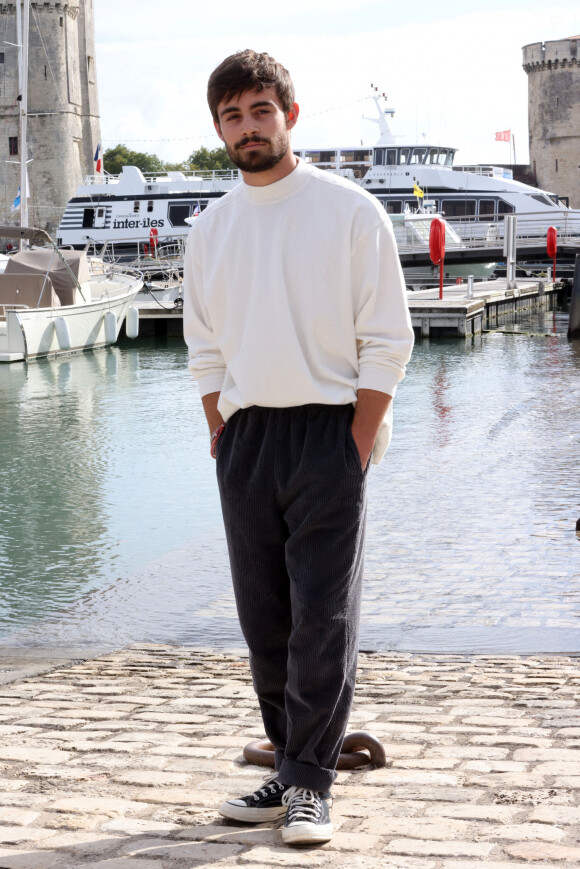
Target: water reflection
x=109, y=520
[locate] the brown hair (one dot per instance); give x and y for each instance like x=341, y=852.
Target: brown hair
x=248, y=71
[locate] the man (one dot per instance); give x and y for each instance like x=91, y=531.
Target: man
x=298, y=332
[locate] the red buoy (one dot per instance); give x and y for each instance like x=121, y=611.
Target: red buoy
x=552, y=247
x=437, y=248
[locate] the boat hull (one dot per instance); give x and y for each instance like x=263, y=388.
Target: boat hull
x=33, y=333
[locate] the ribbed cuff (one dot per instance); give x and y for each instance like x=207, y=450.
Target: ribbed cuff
x=210, y=383
x=381, y=379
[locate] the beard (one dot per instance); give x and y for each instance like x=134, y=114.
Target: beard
x=262, y=160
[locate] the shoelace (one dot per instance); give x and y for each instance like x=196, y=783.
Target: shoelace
x=270, y=783
x=302, y=804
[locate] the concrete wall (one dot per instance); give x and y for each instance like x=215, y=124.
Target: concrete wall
x=554, y=114
x=63, y=114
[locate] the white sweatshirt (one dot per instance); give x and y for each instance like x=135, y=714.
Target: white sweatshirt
x=293, y=294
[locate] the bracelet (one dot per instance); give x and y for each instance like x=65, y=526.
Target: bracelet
x=215, y=438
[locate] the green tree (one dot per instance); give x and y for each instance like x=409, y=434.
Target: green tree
x=203, y=158
x=115, y=158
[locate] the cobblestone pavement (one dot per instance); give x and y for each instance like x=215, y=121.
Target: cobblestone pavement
x=119, y=763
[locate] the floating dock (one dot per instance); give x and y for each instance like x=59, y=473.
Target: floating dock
x=457, y=314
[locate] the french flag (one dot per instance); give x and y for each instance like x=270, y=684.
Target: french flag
x=98, y=161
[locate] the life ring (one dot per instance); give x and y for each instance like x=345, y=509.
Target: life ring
x=358, y=749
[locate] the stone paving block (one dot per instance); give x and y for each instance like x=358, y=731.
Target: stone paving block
x=471, y=812
x=151, y=778
x=207, y=852
x=18, y=835
x=180, y=796
x=226, y=832
x=396, y=777
x=108, y=806
x=523, y=833
x=33, y=754
x=122, y=863
x=454, y=848
x=284, y=856
x=556, y=815
x=381, y=861
x=26, y=859
x=493, y=864
x=548, y=755
x=140, y=827
x=17, y=816
x=543, y=851
x=434, y=828
x=571, y=782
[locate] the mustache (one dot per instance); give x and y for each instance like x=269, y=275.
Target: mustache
x=248, y=139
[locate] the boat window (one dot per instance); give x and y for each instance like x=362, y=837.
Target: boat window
x=487, y=208
x=101, y=212
x=404, y=155
x=136, y=206
x=391, y=154
x=449, y=159
x=362, y=155
x=418, y=155
x=504, y=207
x=433, y=153
x=458, y=207
x=442, y=158
x=392, y=206
x=543, y=199
x=178, y=212
x=379, y=156
x=88, y=218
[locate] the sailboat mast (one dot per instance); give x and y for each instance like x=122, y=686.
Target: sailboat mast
x=22, y=26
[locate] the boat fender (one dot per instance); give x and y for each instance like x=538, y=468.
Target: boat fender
x=62, y=333
x=132, y=322
x=110, y=327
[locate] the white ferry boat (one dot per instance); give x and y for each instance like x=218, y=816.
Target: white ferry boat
x=155, y=209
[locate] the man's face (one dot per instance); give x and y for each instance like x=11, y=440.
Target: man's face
x=255, y=129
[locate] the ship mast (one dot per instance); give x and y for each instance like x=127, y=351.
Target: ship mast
x=22, y=27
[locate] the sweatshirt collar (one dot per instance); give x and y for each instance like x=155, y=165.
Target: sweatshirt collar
x=282, y=188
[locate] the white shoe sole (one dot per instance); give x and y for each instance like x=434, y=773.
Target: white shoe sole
x=251, y=816
x=307, y=834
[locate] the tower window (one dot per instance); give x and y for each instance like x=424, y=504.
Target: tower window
x=61, y=21
x=13, y=146
x=1, y=57
x=556, y=165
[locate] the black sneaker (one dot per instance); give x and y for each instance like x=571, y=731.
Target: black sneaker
x=307, y=819
x=265, y=804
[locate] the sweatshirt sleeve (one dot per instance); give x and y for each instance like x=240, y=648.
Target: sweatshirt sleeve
x=206, y=362
x=382, y=322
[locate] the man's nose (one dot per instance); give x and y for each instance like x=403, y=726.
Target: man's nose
x=249, y=126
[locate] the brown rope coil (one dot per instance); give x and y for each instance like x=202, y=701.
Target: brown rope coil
x=358, y=749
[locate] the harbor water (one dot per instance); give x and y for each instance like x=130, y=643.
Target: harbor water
x=110, y=528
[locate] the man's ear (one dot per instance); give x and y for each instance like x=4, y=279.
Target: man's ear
x=218, y=130
x=292, y=116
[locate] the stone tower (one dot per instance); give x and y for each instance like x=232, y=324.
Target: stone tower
x=554, y=115
x=63, y=113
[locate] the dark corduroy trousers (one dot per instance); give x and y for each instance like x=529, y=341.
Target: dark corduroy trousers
x=293, y=496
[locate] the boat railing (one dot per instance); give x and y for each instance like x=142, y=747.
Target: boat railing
x=219, y=175
x=531, y=229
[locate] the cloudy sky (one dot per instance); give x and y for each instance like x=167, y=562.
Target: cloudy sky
x=452, y=70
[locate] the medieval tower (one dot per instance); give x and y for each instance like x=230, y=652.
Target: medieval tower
x=63, y=113
x=554, y=115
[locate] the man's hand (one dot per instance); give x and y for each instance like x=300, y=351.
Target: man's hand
x=371, y=407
